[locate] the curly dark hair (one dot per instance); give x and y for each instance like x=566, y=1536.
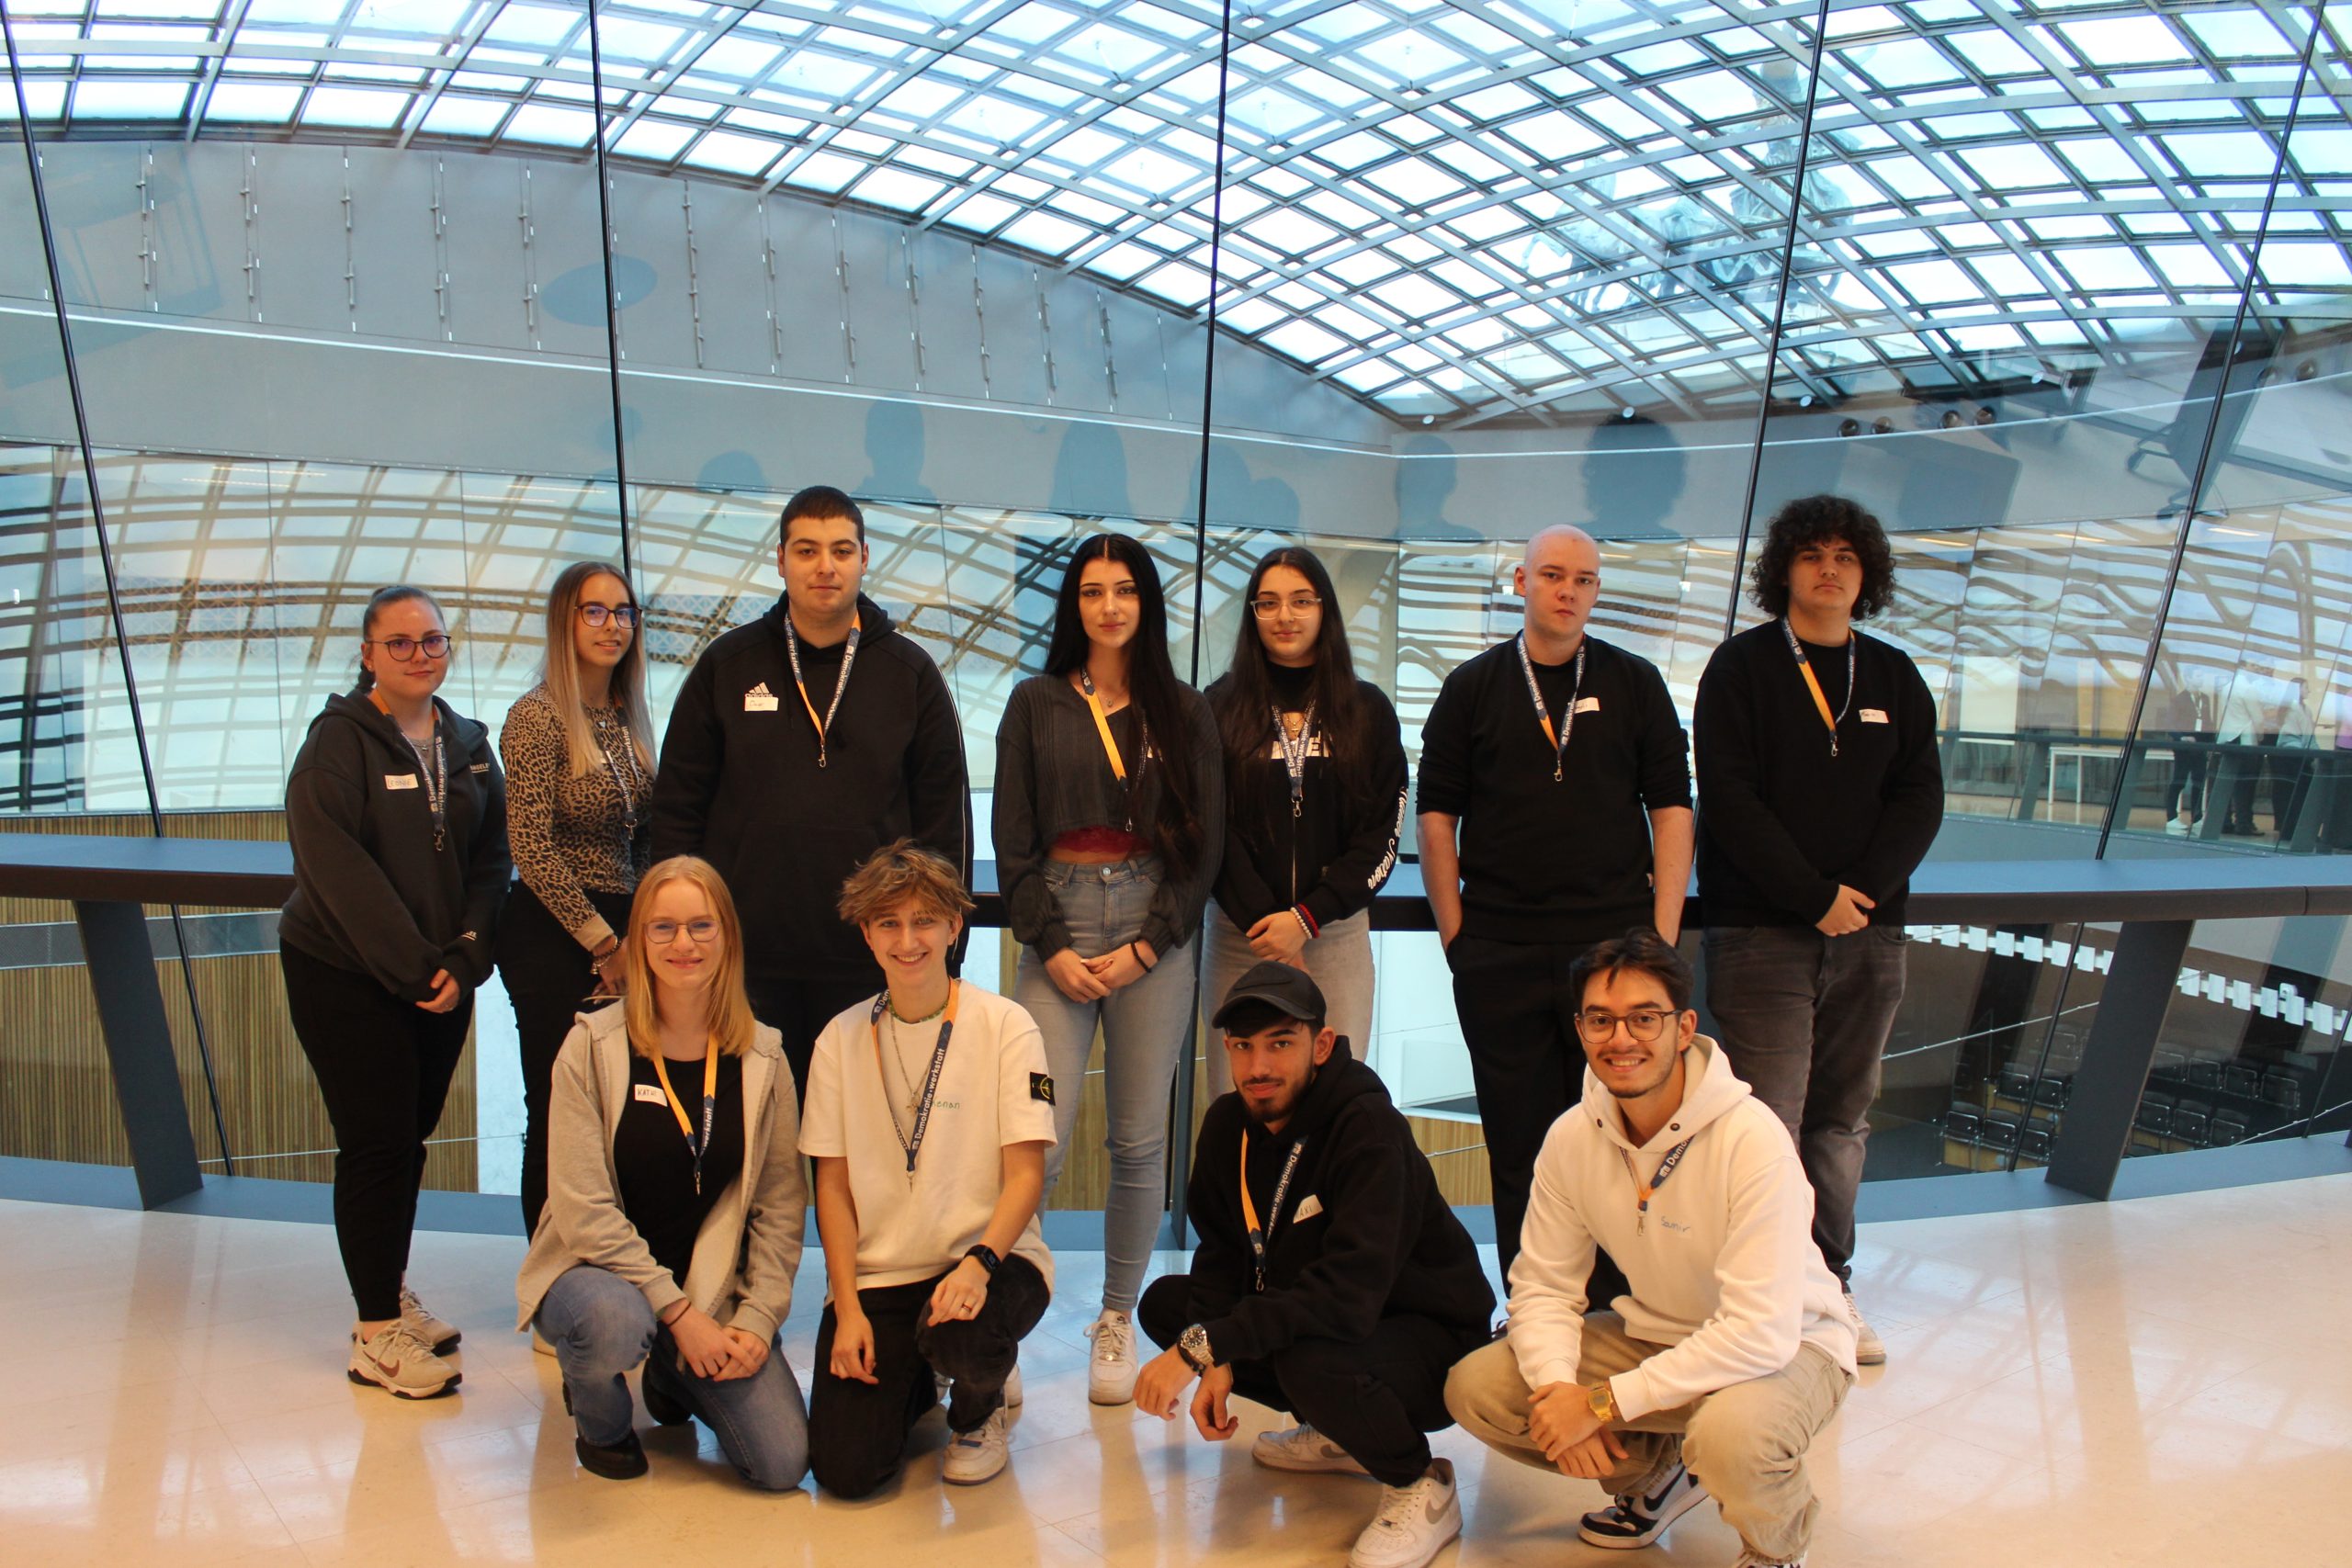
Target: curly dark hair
x=1808, y=521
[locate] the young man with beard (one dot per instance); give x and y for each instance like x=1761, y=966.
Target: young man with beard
x=1731, y=1350
x=799, y=745
x=1331, y=1280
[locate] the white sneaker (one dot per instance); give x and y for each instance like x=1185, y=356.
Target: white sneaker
x=1748, y=1558
x=397, y=1362
x=1303, y=1448
x=1869, y=1350
x=978, y=1455
x=1414, y=1522
x=2177, y=827
x=436, y=1335
x=1110, y=1370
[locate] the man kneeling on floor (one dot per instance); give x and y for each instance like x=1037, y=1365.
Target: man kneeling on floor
x=1331, y=1280
x=1733, y=1349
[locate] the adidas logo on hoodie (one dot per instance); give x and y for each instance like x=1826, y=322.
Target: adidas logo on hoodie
x=759, y=699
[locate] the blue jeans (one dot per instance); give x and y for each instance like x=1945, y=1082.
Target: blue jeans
x=1804, y=1020
x=600, y=1325
x=1340, y=961
x=1144, y=1028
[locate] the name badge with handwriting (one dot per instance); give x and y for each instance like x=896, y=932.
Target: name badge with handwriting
x=755, y=701
x=399, y=781
x=1588, y=704
x=650, y=1094
x=1873, y=715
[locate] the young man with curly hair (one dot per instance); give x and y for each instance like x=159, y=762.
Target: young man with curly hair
x=1820, y=789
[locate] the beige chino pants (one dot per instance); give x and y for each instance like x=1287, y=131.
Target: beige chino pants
x=1747, y=1443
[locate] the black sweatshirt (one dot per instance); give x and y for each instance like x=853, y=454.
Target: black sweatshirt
x=1379, y=1240
x=1565, y=861
x=371, y=895
x=654, y=1165
x=1781, y=823
x=1339, y=851
x=739, y=784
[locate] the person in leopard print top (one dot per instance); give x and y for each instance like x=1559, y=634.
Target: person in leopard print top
x=578, y=752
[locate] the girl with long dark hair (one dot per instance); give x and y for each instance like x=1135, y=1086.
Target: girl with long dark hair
x=579, y=754
x=397, y=814
x=1314, y=799
x=1109, y=818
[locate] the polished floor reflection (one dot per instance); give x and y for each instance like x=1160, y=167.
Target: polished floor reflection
x=2159, y=1382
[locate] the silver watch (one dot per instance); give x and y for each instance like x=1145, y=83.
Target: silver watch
x=1193, y=1346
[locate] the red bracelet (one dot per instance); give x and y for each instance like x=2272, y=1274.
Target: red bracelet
x=1298, y=912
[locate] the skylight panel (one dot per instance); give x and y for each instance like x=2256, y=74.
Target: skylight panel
x=2222, y=154
x=1270, y=113
x=1303, y=340
x=525, y=24
x=128, y=100
x=981, y=212
x=654, y=139
x=2110, y=42
x=2018, y=166
x=823, y=171
x=1416, y=182
x=356, y=107
x=2105, y=269
x=2238, y=35
x=552, y=126
x=1046, y=234
x=253, y=103
x=452, y=115
x=1178, y=282
x=899, y=189
x=1993, y=52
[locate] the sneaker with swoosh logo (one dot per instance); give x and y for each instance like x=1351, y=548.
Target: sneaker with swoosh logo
x=397, y=1362
x=1637, y=1518
x=1414, y=1522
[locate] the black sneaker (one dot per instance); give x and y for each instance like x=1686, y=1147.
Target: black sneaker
x=665, y=1407
x=624, y=1460
x=1637, y=1518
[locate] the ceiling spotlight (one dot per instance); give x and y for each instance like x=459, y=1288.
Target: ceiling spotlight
x=1429, y=419
x=2306, y=369
x=1624, y=413
x=1806, y=401
x=1881, y=426
x=1984, y=415
x=1952, y=419
x=1849, y=427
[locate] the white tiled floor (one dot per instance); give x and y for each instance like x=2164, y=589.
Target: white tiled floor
x=2161, y=1382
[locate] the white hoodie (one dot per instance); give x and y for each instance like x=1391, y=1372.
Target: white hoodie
x=1724, y=1272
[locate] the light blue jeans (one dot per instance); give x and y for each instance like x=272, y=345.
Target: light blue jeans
x=1339, y=959
x=1144, y=1029
x=600, y=1325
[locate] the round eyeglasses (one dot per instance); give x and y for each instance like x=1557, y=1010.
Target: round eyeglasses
x=1644, y=1025
x=598, y=614
x=404, y=649
x=662, y=933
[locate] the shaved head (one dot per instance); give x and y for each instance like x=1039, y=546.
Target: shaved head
x=1559, y=582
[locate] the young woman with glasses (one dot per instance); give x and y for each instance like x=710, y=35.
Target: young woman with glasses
x=675, y=1199
x=398, y=817
x=579, y=754
x=1315, y=798
x=1109, y=813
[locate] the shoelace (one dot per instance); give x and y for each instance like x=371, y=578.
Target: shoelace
x=1397, y=1506
x=1113, y=1338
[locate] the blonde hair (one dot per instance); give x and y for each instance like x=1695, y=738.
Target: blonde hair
x=561, y=670
x=898, y=873
x=730, y=1020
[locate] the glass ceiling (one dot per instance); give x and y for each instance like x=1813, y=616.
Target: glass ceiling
x=1513, y=210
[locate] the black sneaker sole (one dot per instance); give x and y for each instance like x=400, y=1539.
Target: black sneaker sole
x=447, y=1388
x=613, y=1464
x=1599, y=1536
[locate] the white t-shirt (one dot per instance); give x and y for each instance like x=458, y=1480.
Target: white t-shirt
x=993, y=1090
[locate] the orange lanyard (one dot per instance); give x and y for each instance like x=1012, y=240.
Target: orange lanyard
x=709, y=1103
x=1274, y=1210
x=1812, y=682
x=841, y=681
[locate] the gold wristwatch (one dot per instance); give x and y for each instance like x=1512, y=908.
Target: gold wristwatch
x=1603, y=1401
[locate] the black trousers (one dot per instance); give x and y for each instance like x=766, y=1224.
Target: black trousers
x=384, y=1067
x=1376, y=1398
x=547, y=977
x=798, y=1008
x=857, y=1432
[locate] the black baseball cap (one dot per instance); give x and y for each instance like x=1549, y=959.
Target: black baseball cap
x=1282, y=987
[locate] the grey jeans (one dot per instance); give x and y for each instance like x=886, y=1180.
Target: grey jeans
x=1804, y=1020
x=1339, y=959
x=1748, y=1441
x=1144, y=1029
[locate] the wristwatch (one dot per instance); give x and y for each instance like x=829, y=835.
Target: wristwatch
x=1193, y=1346
x=988, y=1260
x=1603, y=1401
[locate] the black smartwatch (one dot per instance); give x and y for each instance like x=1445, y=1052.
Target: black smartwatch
x=989, y=1260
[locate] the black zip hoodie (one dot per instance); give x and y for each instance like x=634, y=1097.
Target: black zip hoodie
x=1337, y=852
x=371, y=895
x=1378, y=1240
x=739, y=784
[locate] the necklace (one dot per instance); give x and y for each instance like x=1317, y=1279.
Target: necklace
x=926, y=1018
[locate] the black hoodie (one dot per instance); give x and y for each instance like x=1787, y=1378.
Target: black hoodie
x=1378, y=1241
x=739, y=784
x=371, y=894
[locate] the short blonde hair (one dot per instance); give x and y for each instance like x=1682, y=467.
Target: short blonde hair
x=730, y=1020
x=900, y=873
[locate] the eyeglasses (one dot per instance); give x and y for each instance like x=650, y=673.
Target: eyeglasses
x=1269, y=606
x=662, y=933
x=404, y=649
x=597, y=615
x=1644, y=1025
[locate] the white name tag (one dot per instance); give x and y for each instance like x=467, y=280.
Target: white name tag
x=1588, y=704
x=399, y=781
x=1873, y=715
x=754, y=703
x=650, y=1094
x=1308, y=1209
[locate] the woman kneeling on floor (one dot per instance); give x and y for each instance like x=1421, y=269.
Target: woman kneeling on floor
x=930, y=1111
x=675, y=1199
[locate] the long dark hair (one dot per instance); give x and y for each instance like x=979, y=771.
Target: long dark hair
x=378, y=603
x=1152, y=687
x=1245, y=699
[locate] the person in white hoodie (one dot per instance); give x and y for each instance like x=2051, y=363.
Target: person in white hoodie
x=1731, y=1349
